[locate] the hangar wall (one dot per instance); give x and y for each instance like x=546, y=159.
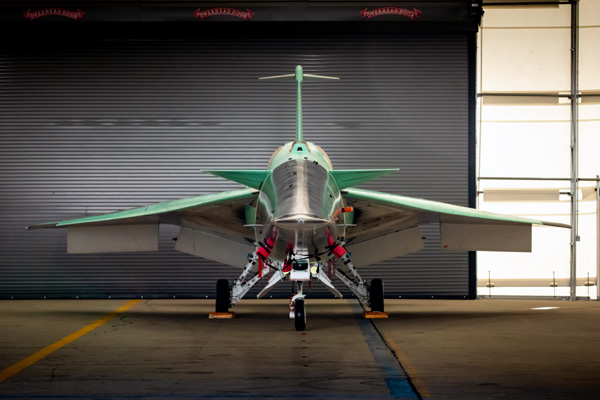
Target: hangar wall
x=97, y=126
x=524, y=140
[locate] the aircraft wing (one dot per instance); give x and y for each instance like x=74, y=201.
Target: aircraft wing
x=387, y=226
x=212, y=226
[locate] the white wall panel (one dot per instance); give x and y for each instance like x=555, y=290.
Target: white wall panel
x=526, y=60
x=589, y=57
x=528, y=49
x=518, y=149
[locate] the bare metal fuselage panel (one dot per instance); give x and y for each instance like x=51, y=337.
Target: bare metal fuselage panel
x=297, y=203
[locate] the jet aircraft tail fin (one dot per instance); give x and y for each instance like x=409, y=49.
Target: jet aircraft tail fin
x=250, y=177
x=299, y=76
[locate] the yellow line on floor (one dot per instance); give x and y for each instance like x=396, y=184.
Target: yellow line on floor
x=32, y=359
x=408, y=366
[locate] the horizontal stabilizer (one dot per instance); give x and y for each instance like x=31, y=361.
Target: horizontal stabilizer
x=250, y=177
x=304, y=75
x=351, y=177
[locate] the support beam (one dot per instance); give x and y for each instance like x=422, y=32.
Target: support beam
x=574, y=145
x=597, y=237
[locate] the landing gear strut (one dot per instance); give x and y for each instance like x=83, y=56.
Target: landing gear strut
x=370, y=296
x=228, y=296
x=353, y=280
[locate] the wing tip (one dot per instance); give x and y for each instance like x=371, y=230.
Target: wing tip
x=556, y=225
x=41, y=226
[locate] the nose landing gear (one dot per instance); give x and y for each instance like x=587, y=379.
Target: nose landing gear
x=298, y=312
x=300, y=315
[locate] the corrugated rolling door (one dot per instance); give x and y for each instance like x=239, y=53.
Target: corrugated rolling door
x=99, y=126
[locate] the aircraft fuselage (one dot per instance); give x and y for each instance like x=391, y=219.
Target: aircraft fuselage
x=298, y=205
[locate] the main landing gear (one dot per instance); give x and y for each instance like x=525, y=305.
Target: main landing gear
x=371, y=296
x=376, y=295
x=223, y=296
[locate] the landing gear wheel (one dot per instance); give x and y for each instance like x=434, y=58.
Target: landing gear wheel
x=377, y=295
x=223, y=296
x=299, y=315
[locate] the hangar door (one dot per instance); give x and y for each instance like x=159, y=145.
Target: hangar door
x=97, y=126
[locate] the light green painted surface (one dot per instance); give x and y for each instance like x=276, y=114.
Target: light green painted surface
x=290, y=151
x=346, y=178
x=250, y=214
x=159, y=208
x=298, y=150
x=299, y=79
x=392, y=200
x=249, y=177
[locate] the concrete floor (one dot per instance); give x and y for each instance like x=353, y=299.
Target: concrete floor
x=498, y=349
x=487, y=349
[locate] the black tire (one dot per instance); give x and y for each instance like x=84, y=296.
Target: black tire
x=223, y=296
x=377, y=295
x=300, y=315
